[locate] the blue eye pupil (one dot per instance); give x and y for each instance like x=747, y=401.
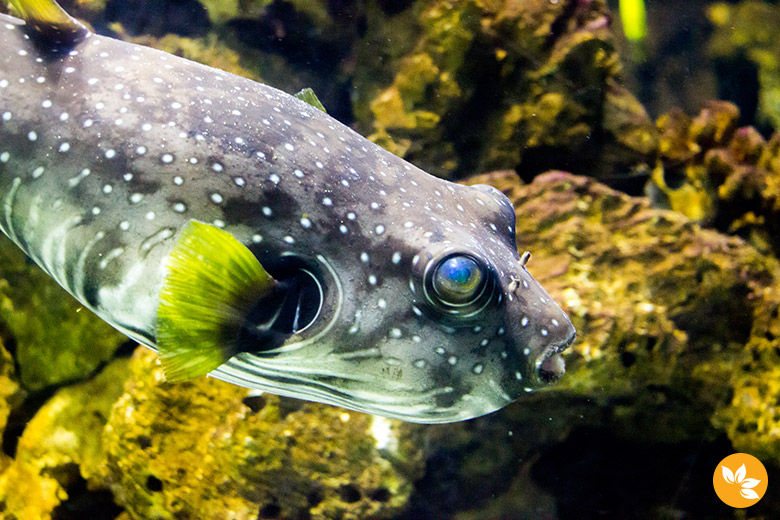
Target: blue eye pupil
x=458, y=271
x=458, y=279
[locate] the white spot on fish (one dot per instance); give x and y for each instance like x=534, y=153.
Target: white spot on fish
x=64, y=147
x=74, y=181
x=32, y=135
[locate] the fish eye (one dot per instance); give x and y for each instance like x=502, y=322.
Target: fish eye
x=458, y=279
x=457, y=287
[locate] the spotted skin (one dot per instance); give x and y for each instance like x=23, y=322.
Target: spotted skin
x=107, y=149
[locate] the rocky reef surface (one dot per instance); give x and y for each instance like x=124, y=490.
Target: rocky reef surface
x=675, y=295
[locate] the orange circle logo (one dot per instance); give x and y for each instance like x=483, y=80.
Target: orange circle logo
x=740, y=480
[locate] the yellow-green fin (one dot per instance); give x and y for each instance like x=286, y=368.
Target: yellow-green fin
x=307, y=95
x=212, y=281
x=50, y=21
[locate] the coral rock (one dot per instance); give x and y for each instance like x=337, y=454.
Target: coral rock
x=208, y=449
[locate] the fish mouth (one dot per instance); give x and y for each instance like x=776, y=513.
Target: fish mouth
x=550, y=366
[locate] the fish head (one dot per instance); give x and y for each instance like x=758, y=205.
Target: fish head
x=434, y=322
x=497, y=333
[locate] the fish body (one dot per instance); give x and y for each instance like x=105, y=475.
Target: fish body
x=409, y=298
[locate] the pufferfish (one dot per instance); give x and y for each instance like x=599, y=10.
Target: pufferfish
x=241, y=232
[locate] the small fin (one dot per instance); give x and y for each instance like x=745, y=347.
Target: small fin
x=50, y=22
x=307, y=95
x=212, y=283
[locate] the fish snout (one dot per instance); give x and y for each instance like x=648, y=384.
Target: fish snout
x=542, y=331
x=548, y=365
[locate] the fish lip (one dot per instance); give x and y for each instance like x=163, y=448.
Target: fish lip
x=550, y=366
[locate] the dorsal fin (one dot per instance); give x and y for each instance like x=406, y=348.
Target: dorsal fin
x=307, y=95
x=50, y=23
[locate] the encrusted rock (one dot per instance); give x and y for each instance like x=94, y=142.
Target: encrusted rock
x=468, y=85
x=61, y=447
x=677, y=354
x=208, y=449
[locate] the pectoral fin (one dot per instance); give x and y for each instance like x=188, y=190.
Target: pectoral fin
x=213, y=281
x=50, y=22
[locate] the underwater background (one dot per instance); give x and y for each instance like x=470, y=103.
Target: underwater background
x=645, y=174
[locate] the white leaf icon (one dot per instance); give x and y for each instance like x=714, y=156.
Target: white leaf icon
x=750, y=482
x=728, y=476
x=749, y=494
x=740, y=474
